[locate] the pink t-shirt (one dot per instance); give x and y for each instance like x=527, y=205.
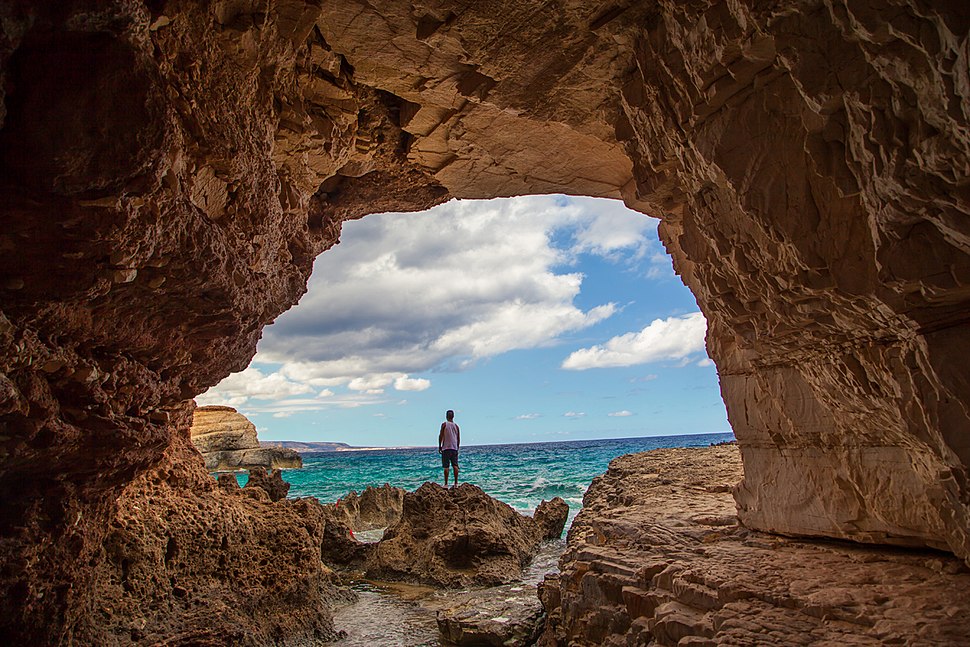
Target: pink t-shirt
x=449, y=439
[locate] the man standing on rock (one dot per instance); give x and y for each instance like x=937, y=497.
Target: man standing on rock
x=449, y=440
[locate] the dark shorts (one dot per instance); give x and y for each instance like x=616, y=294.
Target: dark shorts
x=449, y=456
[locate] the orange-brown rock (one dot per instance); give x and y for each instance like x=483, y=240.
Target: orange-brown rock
x=227, y=441
x=372, y=509
x=657, y=556
x=456, y=538
x=185, y=562
x=169, y=170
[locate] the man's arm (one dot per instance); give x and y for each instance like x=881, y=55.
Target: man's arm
x=458, y=436
x=441, y=436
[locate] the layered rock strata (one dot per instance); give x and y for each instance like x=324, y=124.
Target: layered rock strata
x=169, y=170
x=227, y=441
x=657, y=556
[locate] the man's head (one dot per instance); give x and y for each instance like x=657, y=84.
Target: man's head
x=450, y=415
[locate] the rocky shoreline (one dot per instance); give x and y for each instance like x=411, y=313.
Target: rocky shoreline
x=657, y=556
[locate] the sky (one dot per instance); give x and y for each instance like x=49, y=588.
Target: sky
x=539, y=318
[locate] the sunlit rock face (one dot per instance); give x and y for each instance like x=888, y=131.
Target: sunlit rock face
x=227, y=441
x=168, y=172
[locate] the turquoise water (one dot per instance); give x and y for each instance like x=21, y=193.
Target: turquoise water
x=521, y=475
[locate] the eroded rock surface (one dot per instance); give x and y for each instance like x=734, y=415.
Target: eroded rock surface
x=374, y=508
x=227, y=441
x=169, y=170
x=657, y=556
x=185, y=562
x=509, y=615
x=455, y=538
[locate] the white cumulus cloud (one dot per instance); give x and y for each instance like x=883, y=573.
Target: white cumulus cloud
x=620, y=414
x=674, y=338
x=239, y=388
x=411, y=293
x=408, y=294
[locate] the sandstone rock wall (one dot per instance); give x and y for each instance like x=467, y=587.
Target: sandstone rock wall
x=169, y=170
x=227, y=441
x=657, y=556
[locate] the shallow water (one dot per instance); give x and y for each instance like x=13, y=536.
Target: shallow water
x=404, y=615
x=383, y=618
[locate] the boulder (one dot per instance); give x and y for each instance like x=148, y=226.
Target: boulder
x=227, y=441
x=502, y=615
x=551, y=517
x=375, y=507
x=273, y=483
x=455, y=538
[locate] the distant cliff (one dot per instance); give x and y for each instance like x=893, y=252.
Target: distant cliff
x=227, y=441
x=305, y=448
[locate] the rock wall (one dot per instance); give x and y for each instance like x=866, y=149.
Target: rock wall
x=185, y=562
x=657, y=556
x=169, y=170
x=227, y=441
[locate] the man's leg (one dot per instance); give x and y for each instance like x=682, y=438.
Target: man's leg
x=446, y=476
x=456, y=473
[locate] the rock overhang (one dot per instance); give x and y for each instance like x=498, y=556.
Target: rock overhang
x=809, y=169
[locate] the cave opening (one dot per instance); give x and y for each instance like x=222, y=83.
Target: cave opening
x=543, y=318
x=172, y=169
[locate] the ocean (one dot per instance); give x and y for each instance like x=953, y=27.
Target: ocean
x=521, y=475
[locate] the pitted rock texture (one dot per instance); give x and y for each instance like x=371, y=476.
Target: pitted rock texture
x=227, y=441
x=169, y=170
x=657, y=556
x=374, y=508
x=185, y=562
x=454, y=538
x=271, y=483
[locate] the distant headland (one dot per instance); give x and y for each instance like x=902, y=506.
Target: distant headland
x=318, y=446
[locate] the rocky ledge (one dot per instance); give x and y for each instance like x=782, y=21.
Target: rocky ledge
x=657, y=556
x=450, y=538
x=227, y=441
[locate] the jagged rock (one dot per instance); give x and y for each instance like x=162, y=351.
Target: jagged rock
x=454, y=538
x=187, y=562
x=228, y=482
x=272, y=483
x=169, y=171
x=375, y=507
x=551, y=517
x=657, y=556
x=500, y=616
x=227, y=441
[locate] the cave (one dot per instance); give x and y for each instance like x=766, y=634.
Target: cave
x=170, y=169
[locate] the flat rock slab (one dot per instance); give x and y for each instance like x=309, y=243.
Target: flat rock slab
x=500, y=616
x=657, y=556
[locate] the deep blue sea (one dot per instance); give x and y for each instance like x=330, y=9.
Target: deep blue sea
x=521, y=475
